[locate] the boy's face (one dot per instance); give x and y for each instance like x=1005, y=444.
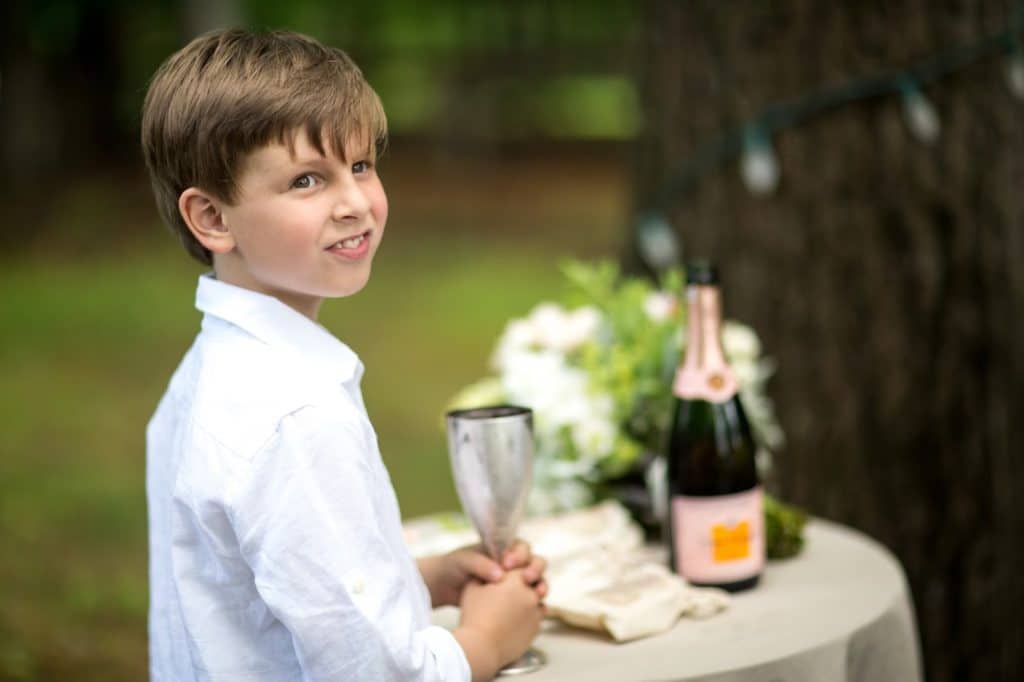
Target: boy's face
x=305, y=227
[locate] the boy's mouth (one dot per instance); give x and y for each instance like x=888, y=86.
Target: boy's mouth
x=352, y=248
x=350, y=242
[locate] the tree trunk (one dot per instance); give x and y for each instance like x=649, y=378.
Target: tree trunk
x=884, y=276
x=59, y=105
x=29, y=115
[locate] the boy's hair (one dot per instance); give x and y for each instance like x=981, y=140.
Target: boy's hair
x=228, y=93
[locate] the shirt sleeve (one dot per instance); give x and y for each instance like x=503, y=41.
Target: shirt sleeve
x=310, y=524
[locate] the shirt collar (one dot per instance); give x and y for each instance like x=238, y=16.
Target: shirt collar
x=276, y=324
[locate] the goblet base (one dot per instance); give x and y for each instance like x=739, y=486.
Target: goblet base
x=532, y=660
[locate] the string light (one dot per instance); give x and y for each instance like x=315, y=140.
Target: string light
x=759, y=168
x=1015, y=72
x=751, y=142
x=922, y=119
x=659, y=245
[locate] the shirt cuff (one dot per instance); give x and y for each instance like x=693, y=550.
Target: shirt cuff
x=451, y=659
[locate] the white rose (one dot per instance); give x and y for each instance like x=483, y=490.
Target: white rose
x=583, y=324
x=550, y=496
x=659, y=306
x=568, y=406
x=567, y=469
x=762, y=418
x=546, y=321
x=594, y=438
x=517, y=337
x=543, y=381
x=572, y=494
x=523, y=377
x=740, y=341
x=554, y=328
x=747, y=371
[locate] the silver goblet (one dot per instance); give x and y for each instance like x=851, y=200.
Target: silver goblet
x=491, y=450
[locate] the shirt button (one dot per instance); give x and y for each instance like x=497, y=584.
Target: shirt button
x=358, y=586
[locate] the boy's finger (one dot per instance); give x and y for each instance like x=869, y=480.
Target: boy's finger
x=517, y=555
x=483, y=567
x=535, y=570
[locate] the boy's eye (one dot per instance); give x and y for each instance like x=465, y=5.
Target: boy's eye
x=304, y=181
x=360, y=166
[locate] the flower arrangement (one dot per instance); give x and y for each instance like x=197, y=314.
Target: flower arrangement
x=597, y=370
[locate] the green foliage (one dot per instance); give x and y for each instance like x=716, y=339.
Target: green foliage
x=784, y=527
x=634, y=356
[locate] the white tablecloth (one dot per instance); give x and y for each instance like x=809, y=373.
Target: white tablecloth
x=839, y=611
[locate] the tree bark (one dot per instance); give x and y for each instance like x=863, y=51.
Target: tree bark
x=884, y=276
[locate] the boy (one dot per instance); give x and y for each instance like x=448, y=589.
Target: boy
x=275, y=539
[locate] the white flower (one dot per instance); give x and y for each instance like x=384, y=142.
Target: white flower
x=761, y=414
x=556, y=329
x=547, y=327
x=517, y=338
x=594, y=438
x=568, y=404
x=660, y=305
x=747, y=371
x=549, y=496
x=543, y=381
x=740, y=341
x=546, y=321
x=558, y=468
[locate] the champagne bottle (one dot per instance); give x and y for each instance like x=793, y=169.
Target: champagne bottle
x=716, y=508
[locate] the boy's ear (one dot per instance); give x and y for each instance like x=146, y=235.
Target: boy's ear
x=205, y=220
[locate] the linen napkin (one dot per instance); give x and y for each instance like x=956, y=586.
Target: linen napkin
x=600, y=574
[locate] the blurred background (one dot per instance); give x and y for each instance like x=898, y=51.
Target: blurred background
x=857, y=168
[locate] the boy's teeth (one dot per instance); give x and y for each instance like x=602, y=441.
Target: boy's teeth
x=351, y=243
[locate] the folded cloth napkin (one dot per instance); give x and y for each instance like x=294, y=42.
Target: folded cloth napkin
x=600, y=575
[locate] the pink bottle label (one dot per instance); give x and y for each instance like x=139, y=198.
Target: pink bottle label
x=719, y=539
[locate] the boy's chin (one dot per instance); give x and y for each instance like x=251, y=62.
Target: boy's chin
x=349, y=288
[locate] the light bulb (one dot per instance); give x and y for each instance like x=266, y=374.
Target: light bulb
x=922, y=119
x=1015, y=74
x=759, y=167
x=659, y=246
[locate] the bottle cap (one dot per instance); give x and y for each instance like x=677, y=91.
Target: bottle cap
x=701, y=272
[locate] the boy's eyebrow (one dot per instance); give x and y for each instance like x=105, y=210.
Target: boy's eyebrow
x=317, y=159
x=309, y=160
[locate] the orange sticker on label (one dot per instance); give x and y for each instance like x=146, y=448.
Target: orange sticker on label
x=730, y=544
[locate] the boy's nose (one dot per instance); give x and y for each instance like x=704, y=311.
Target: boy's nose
x=352, y=203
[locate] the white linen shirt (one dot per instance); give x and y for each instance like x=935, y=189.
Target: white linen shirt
x=276, y=548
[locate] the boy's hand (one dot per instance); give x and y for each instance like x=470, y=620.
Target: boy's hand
x=519, y=555
x=499, y=620
x=447, y=575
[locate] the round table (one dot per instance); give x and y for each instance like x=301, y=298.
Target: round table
x=839, y=611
